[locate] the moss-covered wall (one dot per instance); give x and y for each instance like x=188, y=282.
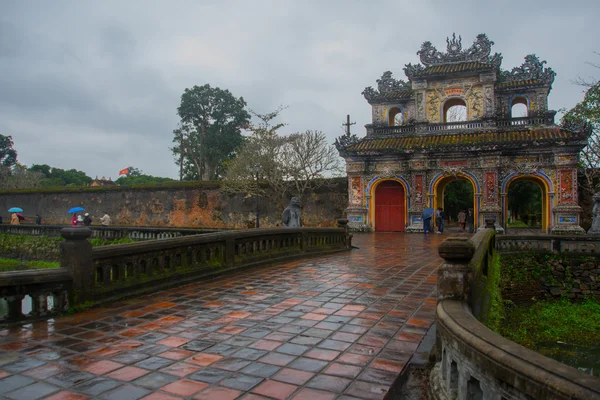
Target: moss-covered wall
x=527, y=277
x=180, y=204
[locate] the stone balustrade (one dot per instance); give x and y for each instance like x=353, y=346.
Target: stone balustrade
x=94, y=275
x=468, y=126
x=477, y=363
x=111, y=232
x=552, y=243
x=46, y=290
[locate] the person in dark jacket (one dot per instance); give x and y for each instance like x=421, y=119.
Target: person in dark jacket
x=471, y=221
x=38, y=219
x=87, y=220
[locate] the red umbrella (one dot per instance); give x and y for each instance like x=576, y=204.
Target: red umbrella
x=20, y=216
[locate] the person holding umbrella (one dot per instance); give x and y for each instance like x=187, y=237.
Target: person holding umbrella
x=77, y=219
x=426, y=216
x=15, y=218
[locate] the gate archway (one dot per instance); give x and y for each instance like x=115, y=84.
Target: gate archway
x=438, y=187
x=546, y=206
x=389, y=206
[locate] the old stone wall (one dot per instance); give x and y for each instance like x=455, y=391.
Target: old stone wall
x=180, y=204
x=526, y=277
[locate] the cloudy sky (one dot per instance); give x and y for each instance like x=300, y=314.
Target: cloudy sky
x=95, y=85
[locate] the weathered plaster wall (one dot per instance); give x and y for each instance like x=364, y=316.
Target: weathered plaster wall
x=184, y=205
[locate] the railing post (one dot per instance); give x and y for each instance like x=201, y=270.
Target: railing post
x=454, y=275
x=76, y=255
x=14, y=307
x=230, y=252
x=343, y=223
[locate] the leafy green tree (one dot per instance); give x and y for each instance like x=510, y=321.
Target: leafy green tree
x=136, y=176
x=210, y=130
x=525, y=200
x=458, y=195
x=586, y=115
x=56, y=177
x=8, y=155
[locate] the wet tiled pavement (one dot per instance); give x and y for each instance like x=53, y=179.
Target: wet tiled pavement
x=342, y=326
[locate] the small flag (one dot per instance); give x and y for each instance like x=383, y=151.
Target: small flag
x=124, y=171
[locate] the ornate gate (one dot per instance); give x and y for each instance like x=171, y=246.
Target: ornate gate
x=389, y=207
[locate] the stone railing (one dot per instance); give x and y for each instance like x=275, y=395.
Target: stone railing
x=45, y=292
x=452, y=127
x=551, y=243
x=477, y=363
x=94, y=275
x=111, y=232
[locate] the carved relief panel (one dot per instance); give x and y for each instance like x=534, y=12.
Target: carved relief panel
x=418, y=185
x=378, y=114
x=567, y=186
x=491, y=196
x=356, y=191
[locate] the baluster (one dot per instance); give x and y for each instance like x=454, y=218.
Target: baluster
x=106, y=274
x=14, y=307
x=39, y=304
x=61, y=301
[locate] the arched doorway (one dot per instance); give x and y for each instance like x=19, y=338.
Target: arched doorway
x=453, y=193
x=519, y=107
x=527, y=204
x=395, y=117
x=457, y=196
x=455, y=110
x=389, y=207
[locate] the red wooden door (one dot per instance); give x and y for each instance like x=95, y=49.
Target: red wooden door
x=389, y=207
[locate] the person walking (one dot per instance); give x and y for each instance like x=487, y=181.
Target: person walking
x=105, y=220
x=471, y=221
x=462, y=219
x=74, y=220
x=38, y=219
x=14, y=219
x=439, y=220
x=87, y=220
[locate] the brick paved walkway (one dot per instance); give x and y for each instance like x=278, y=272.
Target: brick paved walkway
x=342, y=326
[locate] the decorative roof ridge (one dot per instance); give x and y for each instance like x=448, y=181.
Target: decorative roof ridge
x=386, y=84
x=479, y=51
x=531, y=69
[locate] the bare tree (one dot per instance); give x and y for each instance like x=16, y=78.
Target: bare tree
x=309, y=158
x=19, y=177
x=284, y=165
x=456, y=114
x=586, y=115
x=259, y=160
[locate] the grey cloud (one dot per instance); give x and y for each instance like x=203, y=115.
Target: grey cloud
x=95, y=86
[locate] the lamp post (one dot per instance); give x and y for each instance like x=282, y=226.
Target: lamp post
x=256, y=169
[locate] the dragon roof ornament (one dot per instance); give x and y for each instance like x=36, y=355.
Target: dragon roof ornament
x=479, y=51
x=532, y=68
x=386, y=84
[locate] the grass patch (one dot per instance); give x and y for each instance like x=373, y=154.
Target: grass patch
x=9, y=264
x=551, y=321
x=106, y=242
x=517, y=224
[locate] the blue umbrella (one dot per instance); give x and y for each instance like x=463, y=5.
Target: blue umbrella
x=75, y=209
x=427, y=213
x=15, y=209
